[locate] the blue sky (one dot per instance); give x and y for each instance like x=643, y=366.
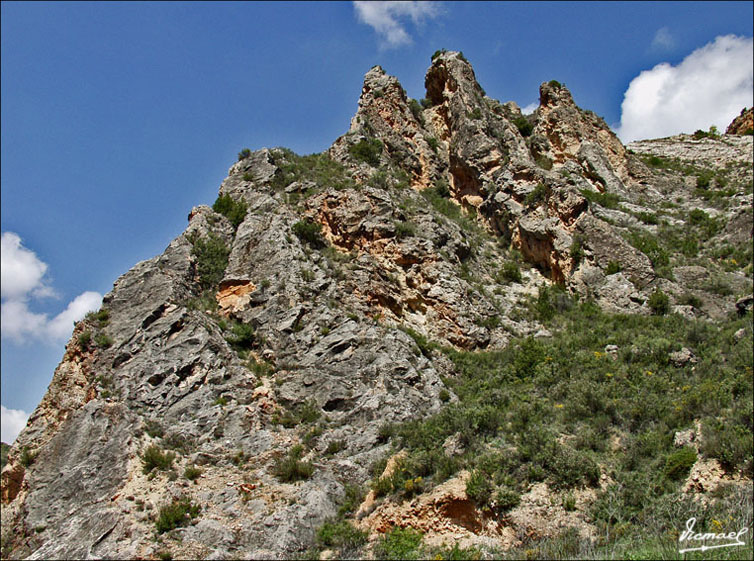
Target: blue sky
x=117, y=118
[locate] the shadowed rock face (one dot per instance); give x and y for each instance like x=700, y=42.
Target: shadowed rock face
x=319, y=338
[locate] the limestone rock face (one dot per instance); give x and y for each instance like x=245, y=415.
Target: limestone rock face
x=291, y=335
x=743, y=124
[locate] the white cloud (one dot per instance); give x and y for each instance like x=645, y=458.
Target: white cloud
x=531, y=108
x=709, y=87
x=23, y=278
x=12, y=421
x=21, y=271
x=663, y=40
x=384, y=18
x=19, y=323
x=60, y=326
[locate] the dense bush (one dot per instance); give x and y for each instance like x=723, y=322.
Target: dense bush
x=659, y=303
x=317, y=168
x=479, y=488
x=416, y=110
x=176, y=514
x=154, y=458
x=613, y=267
x=291, y=468
x=233, y=210
x=678, y=464
x=211, y=254
x=399, y=543
x=368, y=151
x=242, y=336
x=650, y=246
x=309, y=232
x=404, y=230
x=523, y=125
x=192, y=473
x=340, y=534
x=245, y=153
x=537, y=195
x=510, y=272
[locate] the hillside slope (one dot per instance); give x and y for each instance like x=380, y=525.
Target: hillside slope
x=519, y=311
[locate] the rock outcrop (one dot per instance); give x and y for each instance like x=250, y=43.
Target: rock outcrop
x=289, y=337
x=743, y=124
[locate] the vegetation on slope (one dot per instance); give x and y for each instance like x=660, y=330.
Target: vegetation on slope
x=566, y=411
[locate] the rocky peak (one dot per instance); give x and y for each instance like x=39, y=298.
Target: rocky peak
x=389, y=128
x=450, y=74
x=554, y=93
x=271, y=341
x=743, y=124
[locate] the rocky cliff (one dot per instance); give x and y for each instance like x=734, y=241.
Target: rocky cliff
x=248, y=378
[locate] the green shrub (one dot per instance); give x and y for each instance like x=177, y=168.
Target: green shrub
x=385, y=432
x=340, y=534
x=399, y=543
x=476, y=114
x=703, y=179
x=479, y=487
x=242, y=336
x=102, y=317
x=650, y=246
x=3, y=454
x=555, y=84
x=577, y=249
x=537, y=195
x=425, y=347
x=154, y=458
x=731, y=443
x=659, y=303
x=192, y=473
x=607, y=200
x=523, y=125
x=444, y=395
x=441, y=189
x=211, y=256
x=176, y=514
x=290, y=468
x=689, y=299
x=507, y=498
x=437, y=53
x=416, y=110
x=647, y=217
x=678, y=464
x=245, y=153
x=404, y=230
x=426, y=103
x=569, y=502
x=433, y=143
x=85, y=337
x=27, y=456
x=368, y=151
x=103, y=340
x=233, y=210
x=613, y=267
x=309, y=232
x=221, y=401
x=334, y=447
x=510, y=272
x=318, y=168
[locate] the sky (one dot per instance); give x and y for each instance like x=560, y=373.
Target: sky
x=118, y=118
